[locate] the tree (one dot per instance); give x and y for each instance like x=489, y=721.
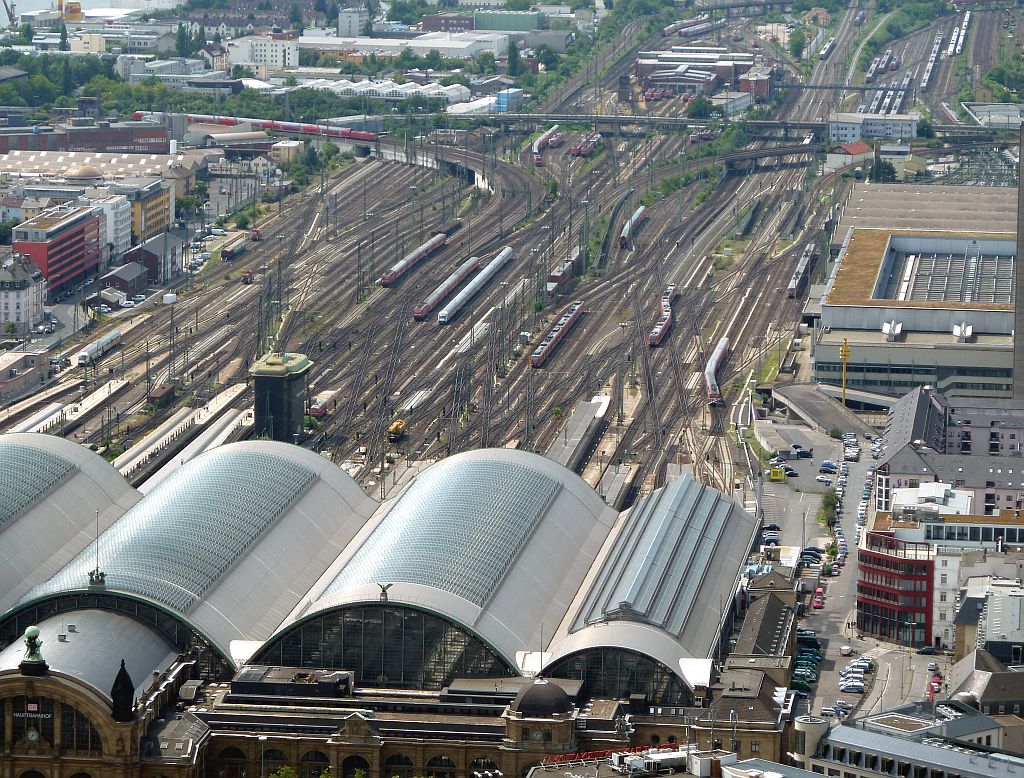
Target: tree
x=284, y=772
x=485, y=62
x=295, y=17
x=11, y=328
x=883, y=172
x=514, y=63
x=320, y=6
x=182, y=42
x=797, y=43
x=546, y=56
x=26, y=32
x=64, y=37
x=216, y=37
x=432, y=59
x=700, y=108
x=312, y=158
x=242, y=221
x=925, y=129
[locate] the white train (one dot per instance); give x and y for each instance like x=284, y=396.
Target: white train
x=97, y=349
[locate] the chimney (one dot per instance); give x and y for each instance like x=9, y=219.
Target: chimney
x=1018, y=308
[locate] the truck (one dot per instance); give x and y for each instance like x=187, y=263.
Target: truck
x=396, y=431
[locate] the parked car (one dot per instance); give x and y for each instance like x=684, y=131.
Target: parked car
x=138, y=298
x=824, y=479
x=127, y=304
x=927, y=650
x=933, y=665
x=771, y=528
x=804, y=453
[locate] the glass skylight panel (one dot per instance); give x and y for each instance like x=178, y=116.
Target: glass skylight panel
x=28, y=474
x=458, y=528
x=175, y=544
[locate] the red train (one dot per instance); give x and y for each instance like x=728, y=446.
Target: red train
x=665, y=320
x=554, y=337
x=296, y=128
x=412, y=258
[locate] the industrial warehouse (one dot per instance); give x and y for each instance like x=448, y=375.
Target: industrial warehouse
x=920, y=296
x=421, y=618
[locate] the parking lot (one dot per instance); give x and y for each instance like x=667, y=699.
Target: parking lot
x=794, y=507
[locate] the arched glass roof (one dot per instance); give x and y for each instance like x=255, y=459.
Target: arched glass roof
x=174, y=545
x=27, y=474
x=53, y=493
x=457, y=528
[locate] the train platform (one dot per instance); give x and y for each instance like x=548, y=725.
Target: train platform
x=570, y=448
x=180, y=422
x=597, y=470
x=74, y=412
x=216, y=434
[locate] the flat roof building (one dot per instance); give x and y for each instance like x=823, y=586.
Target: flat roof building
x=920, y=307
x=847, y=127
x=64, y=243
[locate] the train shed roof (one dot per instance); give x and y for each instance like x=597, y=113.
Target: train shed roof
x=53, y=495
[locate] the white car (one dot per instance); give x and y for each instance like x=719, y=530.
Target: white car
x=127, y=303
x=824, y=479
x=138, y=298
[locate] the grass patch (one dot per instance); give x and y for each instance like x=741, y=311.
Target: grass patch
x=770, y=367
x=722, y=263
x=827, y=509
x=759, y=451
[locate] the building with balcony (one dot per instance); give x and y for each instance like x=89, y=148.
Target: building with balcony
x=22, y=293
x=894, y=589
x=152, y=205
x=264, y=51
x=64, y=243
x=117, y=212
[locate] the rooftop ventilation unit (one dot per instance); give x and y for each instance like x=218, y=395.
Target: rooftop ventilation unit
x=892, y=330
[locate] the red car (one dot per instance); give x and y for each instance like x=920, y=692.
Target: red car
x=819, y=602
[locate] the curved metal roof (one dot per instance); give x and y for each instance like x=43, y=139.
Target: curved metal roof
x=51, y=490
x=471, y=538
x=231, y=540
x=93, y=652
x=662, y=576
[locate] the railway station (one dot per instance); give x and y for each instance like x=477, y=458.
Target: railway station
x=495, y=565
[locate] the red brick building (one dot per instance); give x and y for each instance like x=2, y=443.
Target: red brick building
x=64, y=243
x=82, y=134
x=447, y=22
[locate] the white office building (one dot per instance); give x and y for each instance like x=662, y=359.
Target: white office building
x=264, y=50
x=117, y=212
x=352, y=21
x=849, y=127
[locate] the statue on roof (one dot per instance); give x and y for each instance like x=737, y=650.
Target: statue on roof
x=33, y=663
x=33, y=645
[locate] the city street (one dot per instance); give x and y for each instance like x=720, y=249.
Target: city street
x=901, y=674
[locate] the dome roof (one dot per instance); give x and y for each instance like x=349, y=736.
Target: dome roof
x=541, y=699
x=84, y=171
